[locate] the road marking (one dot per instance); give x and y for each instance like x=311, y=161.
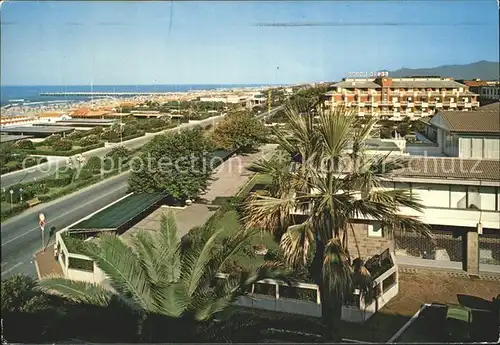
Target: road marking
x=62, y=215
x=12, y=268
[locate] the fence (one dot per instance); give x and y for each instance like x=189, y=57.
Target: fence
x=489, y=248
x=444, y=245
x=269, y=296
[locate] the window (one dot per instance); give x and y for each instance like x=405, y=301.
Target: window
x=375, y=230
x=488, y=198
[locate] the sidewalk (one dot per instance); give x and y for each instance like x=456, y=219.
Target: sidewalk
x=46, y=264
x=233, y=174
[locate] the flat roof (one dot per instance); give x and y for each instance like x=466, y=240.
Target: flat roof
x=86, y=121
x=5, y=138
x=73, y=125
x=114, y=216
x=36, y=130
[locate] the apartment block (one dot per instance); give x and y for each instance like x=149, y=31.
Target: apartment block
x=488, y=90
x=398, y=98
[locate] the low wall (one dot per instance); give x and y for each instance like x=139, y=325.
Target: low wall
x=92, y=276
x=387, y=286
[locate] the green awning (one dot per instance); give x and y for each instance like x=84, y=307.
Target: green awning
x=120, y=213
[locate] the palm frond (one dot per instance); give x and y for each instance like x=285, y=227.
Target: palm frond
x=170, y=299
x=334, y=129
x=144, y=246
x=265, y=212
x=336, y=273
x=296, y=244
x=76, y=291
x=123, y=270
x=195, y=262
x=169, y=248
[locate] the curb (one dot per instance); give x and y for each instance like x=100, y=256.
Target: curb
x=36, y=265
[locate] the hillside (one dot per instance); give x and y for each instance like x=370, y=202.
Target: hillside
x=485, y=70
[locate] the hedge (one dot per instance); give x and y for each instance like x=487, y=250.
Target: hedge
x=10, y=212
x=19, y=165
x=117, y=140
x=159, y=129
x=80, y=264
x=63, y=153
x=75, y=186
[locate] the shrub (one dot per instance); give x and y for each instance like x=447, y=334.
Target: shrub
x=93, y=165
x=95, y=131
x=110, y=135
x=124, y=138
x=117, y=155
x=84, y=174
x=76, y=135
x=52, y=139
x=58, y=182
x=25, y=144
x=88, y=140
x=129, y=129
x=62, y=145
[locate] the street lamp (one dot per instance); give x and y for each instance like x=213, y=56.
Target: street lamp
x=11, y=202
x=21, y=195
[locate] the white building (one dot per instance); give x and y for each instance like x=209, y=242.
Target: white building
x=474, y=134
x=462, y=207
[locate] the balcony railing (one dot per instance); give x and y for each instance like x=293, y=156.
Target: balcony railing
x=439, y=105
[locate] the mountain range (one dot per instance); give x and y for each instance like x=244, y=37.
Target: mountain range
x=484, y=70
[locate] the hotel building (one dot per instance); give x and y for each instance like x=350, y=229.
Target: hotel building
x=398, y=98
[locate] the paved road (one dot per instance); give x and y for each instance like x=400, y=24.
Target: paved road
x=21, y=236
x=40, y=171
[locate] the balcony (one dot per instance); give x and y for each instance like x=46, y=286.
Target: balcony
x=439, y=105
x=361, y=104
x=410, y=104
x=425, y=104
x=475, y=104
x=468, y=105
x=453, y=105
x=396, y=104
x=374, y=104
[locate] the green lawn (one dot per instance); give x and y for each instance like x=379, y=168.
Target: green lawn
x=230, y=223
x=257, y=180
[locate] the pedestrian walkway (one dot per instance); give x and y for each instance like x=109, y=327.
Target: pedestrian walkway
x=46, y=264
x=233, y=174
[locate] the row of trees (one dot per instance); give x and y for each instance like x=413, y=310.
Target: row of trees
x=181, y=163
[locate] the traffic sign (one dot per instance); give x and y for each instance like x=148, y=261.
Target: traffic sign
x=41, y=221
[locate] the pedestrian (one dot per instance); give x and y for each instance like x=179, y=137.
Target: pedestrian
x=56, y=252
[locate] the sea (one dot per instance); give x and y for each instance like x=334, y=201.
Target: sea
x=26, y=95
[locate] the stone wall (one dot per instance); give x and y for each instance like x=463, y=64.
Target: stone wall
x=368, y=246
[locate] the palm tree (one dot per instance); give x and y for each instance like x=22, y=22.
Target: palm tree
x=174, y=286
x=332, y=180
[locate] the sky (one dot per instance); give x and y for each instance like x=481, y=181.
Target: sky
x=236, y=42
